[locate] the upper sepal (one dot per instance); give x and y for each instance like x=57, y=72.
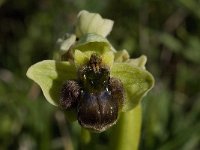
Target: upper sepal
x=92, y=23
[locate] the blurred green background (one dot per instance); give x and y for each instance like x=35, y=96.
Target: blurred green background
x=168, y=32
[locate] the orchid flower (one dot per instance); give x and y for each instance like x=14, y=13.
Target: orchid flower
x=93, y=80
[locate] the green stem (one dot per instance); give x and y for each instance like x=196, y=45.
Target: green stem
x=85, y=136
x=126, y=133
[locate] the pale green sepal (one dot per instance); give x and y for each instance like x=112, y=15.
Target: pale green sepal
x=139, y=62
x=80, y=58
x=136, y=81
x=121, y=56
x=50, y=75
x=93, y=42
x=92, y=23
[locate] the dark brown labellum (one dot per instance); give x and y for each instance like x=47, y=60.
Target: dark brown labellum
x=69, y=94
x=99, y=111
x=96, y=97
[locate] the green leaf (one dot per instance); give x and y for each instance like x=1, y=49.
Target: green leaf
x=50, y=75
x=136, y=81
x=171, y=42
x=93, y=42
x=191, y=51
x=92, y=23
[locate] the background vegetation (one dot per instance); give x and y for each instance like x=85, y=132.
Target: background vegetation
x=168, y=32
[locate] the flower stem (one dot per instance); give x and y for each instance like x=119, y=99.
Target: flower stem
x=85, y=136
x=126, y=133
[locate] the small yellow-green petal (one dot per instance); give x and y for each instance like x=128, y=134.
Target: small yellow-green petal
x=66, y=44
x=139, y=62
x=121, y=56
x=50, y=75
